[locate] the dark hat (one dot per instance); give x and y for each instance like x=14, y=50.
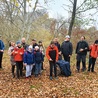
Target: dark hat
x=96, y=41
x=52, y=42
x=18, y=42
x=40, y=41
x=33, y=39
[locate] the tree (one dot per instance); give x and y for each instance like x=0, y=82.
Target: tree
x=79, y=10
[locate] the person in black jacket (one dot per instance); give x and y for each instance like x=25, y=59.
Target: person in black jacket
x=67, y=48
x=81, y=51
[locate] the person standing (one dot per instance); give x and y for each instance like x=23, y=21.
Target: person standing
x=38, y=60
x=18, y=57
x=42, y=50
x=1, y=51
x=93, y=55
x=67, y=48
x=28, y=60
x=81, y=51
x=10, y=53
x=52, y=55
x=23, y=43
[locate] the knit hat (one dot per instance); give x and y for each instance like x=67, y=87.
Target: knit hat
x=67, y=36
x=52, y=42
x=96, y=41
x=30, y=47
x=18, y=42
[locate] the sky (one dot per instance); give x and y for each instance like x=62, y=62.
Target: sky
x=57, y=8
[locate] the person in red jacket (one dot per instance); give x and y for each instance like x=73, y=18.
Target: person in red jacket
x=52, y=55
x=93, y=55
x=18, y=57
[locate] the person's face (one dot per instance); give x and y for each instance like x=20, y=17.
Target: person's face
x=23, y=40
x=12, y=44
x=82, y=38
x=52, y=45
x=33, y=42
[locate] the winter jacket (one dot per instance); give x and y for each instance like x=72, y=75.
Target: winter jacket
x=82, y=45
x=1, y=45
x=94, y=51
x=38, y=56
x=28, y=58
x=52, y=53
x=18, y=54
x=67, y=48
x=58, y=46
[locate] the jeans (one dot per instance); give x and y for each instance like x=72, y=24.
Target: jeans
x=28, y=70
x=37, y=68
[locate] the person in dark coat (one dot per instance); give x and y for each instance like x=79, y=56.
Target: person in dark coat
x=1, y=51
x=67, y=48
x=52, y=55
x=81, y=51
x=23, y=43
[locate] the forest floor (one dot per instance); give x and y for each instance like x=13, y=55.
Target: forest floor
x=78, y=85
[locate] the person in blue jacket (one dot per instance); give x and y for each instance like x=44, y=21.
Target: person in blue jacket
x=29, y=61
x=1, y=51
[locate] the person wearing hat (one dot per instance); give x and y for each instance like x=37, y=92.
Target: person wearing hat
x=42, y=49
x=38, y=60
x=1, y=51
x=34, y=43
x=52, y=55
x=18, y=57
x=93, y=55
x=28, y=60
x=81, y=51
x=67, y=48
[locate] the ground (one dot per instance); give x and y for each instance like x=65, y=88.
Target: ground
x=78, y=85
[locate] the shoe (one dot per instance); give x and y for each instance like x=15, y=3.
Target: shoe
x=77, y=71
x=27, y=78
x=50, y=78
x=36, y=75
x=56, y=77
x=13, y=75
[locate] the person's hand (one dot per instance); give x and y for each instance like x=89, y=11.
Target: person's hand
x=50, y=59
x=1, y=50
x=25, y=64
x=81, y=50
x=21, y=53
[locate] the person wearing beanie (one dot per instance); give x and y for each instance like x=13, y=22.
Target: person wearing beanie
x=18, y=57
x=38, y=60
x=93, y=55
x=67, y=48
x=28, y=60
x=52, y=55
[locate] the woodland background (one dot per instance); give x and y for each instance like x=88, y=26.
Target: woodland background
x=17, y=22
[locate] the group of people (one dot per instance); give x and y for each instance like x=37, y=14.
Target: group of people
x=31, y=57
x=28, y=57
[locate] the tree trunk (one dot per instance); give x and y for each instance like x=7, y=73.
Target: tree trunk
x=73, y=17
